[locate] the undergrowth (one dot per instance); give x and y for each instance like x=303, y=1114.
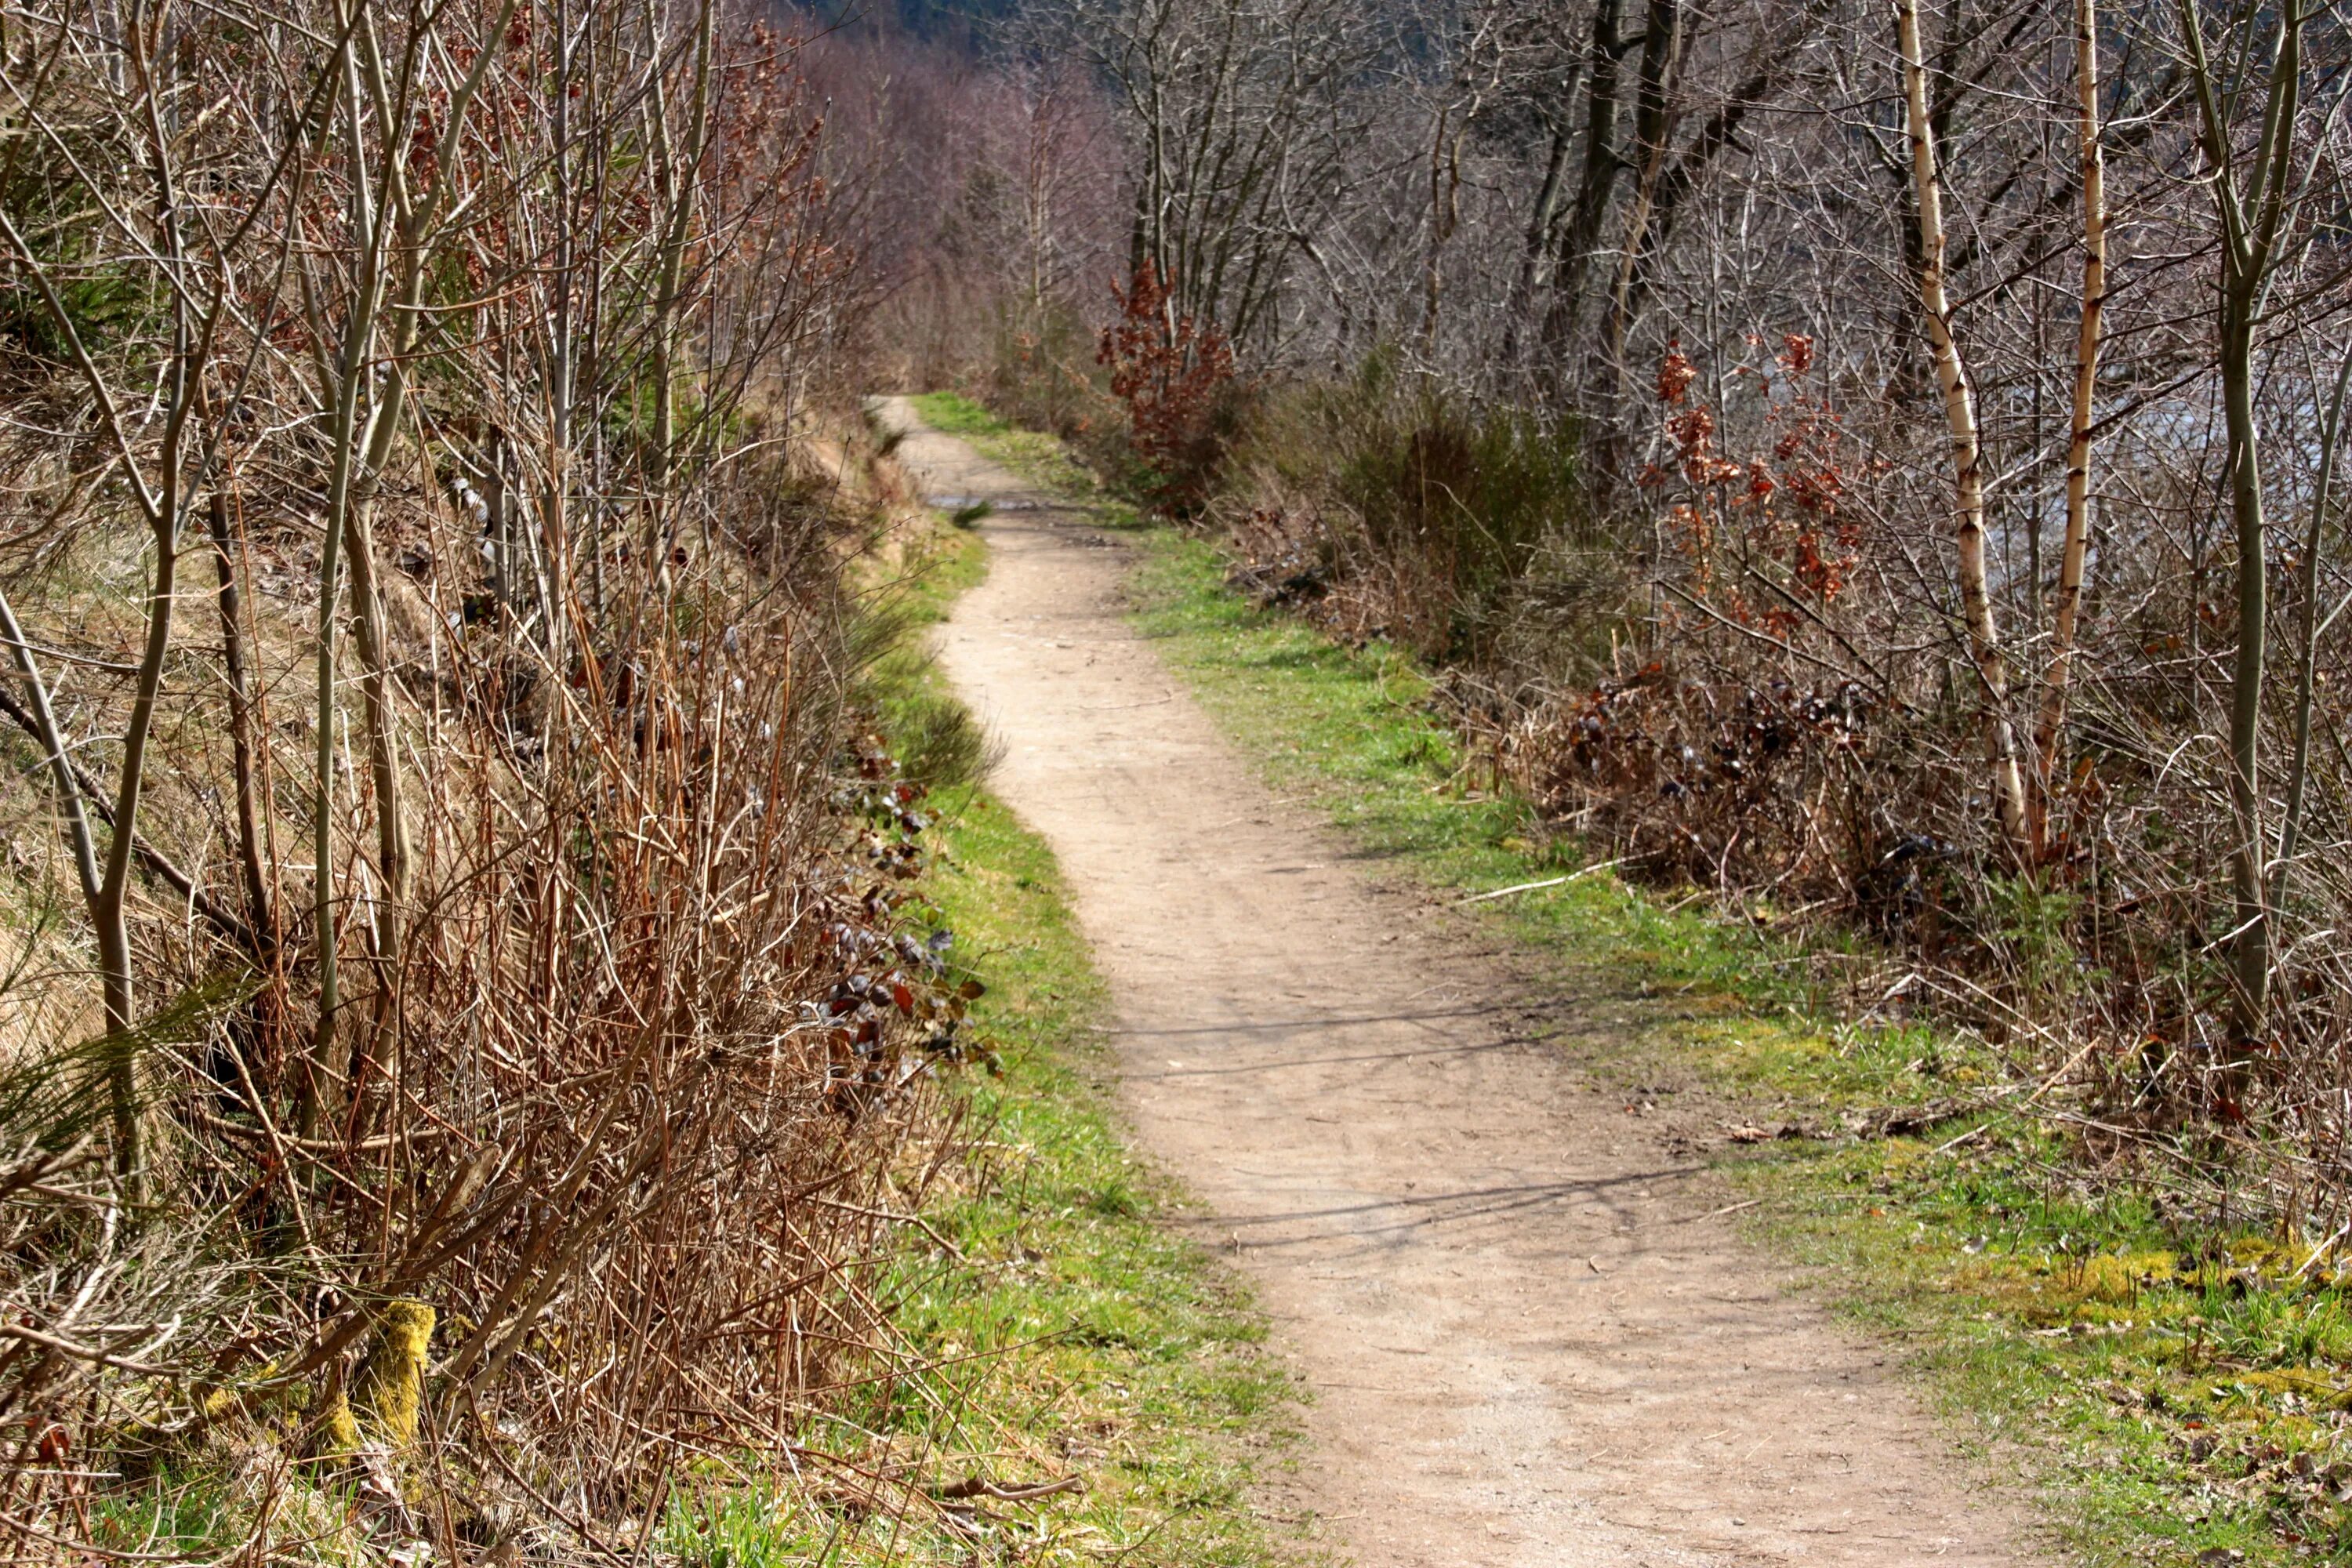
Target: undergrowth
x=2177, y=1385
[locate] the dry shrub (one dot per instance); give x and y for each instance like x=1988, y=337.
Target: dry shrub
x=1171, y=372
x=1459, y=530
x=529, y=1030
x=1794, y=724
x=636, y=1121
x=1746, y=679
x=1728, y=785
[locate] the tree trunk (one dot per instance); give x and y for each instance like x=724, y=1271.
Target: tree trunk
x=2252, y=220
x=682, y=176
x=2250, y=949
x=108, y=910
x=240, y=724
x=1967, y=455
x=1535, y=248
x=2306, y=664
x=2075, y=546
x=1654, y=120
x=1594, y=186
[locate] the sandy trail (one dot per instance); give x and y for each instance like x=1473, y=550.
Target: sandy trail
x=1530, y=1341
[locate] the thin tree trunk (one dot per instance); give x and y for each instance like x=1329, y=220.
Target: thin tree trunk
x=1967, y=455
x=411, y=224
x=108, y=911
x=2250, y=221
x=240, y=724
x=682, y=174
x=2306, y=673
x=329, y=1060
x=2250, y=961
x=1654, y=120
x=2075, y=546
x=1595, y=184
x=380, y=719
x=1442, y=211
x=1535, y=248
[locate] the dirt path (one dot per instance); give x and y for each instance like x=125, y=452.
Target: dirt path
x=1529, y=1341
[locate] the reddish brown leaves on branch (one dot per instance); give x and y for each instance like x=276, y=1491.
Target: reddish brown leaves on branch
x=1170, y=371
x=1675, y=374
x=1784, y=507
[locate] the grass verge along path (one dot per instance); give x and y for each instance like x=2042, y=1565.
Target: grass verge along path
x=2177, y=1392
x=1068, y=1336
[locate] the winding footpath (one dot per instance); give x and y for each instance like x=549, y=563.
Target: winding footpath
x=1532, y=1339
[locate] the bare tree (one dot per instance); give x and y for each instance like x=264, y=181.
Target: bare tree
x=2255, y=198
x=1242, y=115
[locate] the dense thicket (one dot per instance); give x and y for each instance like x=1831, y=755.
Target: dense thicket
x=461, y=1034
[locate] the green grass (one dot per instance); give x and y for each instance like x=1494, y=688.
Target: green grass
x=954, y=416
x=2173, y=1391
x=935, y=741
x=1071, y=1332
x=1103, y=1345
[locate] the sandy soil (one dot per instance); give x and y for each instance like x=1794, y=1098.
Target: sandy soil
x=1531, y=1337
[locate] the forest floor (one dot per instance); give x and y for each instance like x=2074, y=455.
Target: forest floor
x=1529, y=1326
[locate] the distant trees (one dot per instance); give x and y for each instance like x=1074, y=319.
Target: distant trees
x=985, y=202
x=1242, y=120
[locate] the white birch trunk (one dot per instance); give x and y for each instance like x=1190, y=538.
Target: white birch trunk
x=1959, y=413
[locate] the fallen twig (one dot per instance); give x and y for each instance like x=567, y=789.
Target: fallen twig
x=976, y=1487
x=1547, y=882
